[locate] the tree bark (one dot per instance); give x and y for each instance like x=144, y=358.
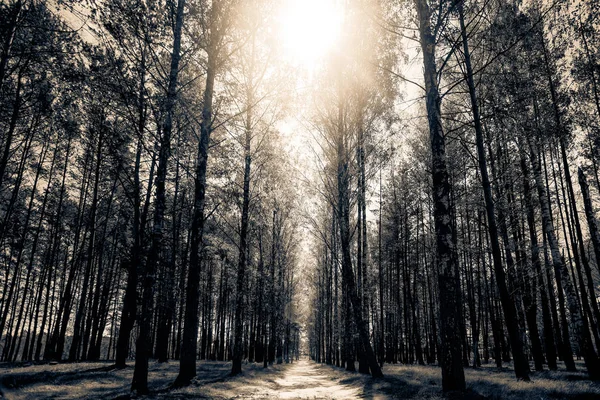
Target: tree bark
x=187, y=363
x=343, y=211
x=453, y=378
x=590, y=215
x=236, y=366
x=580, y=325
x=536, y=262
x=508, y=306
x=139, y=383
x=129, y=310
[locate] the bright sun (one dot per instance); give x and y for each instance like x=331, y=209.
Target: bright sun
x=309, y=29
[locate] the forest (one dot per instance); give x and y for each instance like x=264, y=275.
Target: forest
x=337, y=199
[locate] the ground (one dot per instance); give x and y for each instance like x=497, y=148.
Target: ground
x=302, y=379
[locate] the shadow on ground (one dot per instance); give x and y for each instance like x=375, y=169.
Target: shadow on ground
x=299, y=380
x=93, y=380
x=488, y=382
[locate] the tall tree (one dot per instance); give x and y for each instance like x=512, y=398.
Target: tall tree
x=508, y=305
x=139, y=383
x=453, y=377
x=216, y=26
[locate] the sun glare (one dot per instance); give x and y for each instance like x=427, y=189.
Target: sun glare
x=309, y=29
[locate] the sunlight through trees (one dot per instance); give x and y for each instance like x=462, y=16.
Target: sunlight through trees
x=237, y=184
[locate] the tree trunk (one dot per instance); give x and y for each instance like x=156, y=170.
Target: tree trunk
x=129, y=310
x=508, y=306
x=343, y=212
x=580, y=325
x=236, y=367
x=381, y=280
x=453, y=378
x=139, y=383
x=536, y=262
x=79, y=316
x=11, y=127
x=590, y=216
x=187, y=364
x=9, y=37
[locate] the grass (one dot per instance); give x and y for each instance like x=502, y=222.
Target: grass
x=100, y=381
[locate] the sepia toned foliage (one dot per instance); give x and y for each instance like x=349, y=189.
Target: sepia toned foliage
x=366, y=182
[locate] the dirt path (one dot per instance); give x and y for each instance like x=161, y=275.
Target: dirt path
x=301, y=379
x=308, y=380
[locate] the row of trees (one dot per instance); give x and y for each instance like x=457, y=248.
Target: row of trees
x=148, y=204
x=145, y=201
x=483, y=240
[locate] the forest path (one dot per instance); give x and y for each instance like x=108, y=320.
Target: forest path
x=306, y=379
